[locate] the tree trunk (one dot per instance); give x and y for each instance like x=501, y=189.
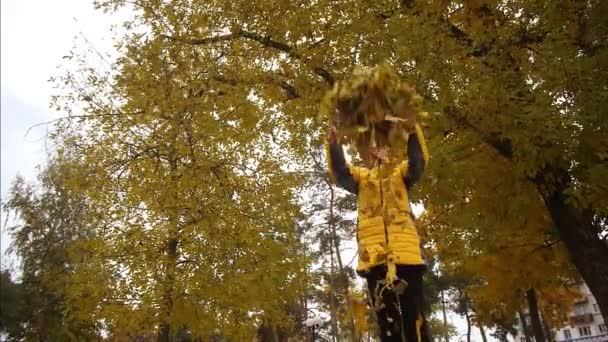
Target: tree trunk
x=445, y=318
x=578, y=228
x=579, y=233
x=332, y=226
x=170, y=265
x=534, y=317
x=275, y=335
x=332, y=299
x=165, y=329
x=468, y=317
x=336, y=245
x=524, y=326
x=482, y=331
x=305, y=301
x=164, y=334
x=547, y=327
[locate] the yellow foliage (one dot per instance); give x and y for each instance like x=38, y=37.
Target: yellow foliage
x=360, y=313
x=198, y=135
x=373, y=109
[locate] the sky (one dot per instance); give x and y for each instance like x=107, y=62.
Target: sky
x=35, y=34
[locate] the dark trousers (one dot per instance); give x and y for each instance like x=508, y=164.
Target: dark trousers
x=400, y=314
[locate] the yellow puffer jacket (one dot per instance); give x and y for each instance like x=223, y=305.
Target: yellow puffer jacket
x=385, y=232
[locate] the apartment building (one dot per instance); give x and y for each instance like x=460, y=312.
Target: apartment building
x=586, y=322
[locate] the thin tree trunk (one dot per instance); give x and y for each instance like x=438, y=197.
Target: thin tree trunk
x=332, y=226
x=336, y=244
x=275, y=336
x=547, y=327
x=482, y=331
x=524, y=325
x=445, y=319
x=165, y=329
x=534, y=317
x=468, y=317
x=171, y=250
x=332, y=299
x=305, y=300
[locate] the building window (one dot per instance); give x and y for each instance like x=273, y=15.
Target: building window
x=579, y=309
x=522, y=339
x=595, y=309
x=567, y=334
x=603, y=328
x=584, y=331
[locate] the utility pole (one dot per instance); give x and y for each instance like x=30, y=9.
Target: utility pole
x=445, y=318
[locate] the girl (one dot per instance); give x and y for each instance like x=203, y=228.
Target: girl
x=390, y=254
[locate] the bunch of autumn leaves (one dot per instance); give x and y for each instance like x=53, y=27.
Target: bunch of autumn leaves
x=374, y=110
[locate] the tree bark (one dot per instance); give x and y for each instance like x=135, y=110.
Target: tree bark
x=275, y=335
x=445, y=318
x=580, y=233
x=547, y=327
x=336, y=244
x=332, y=299
x=165, y=333
x=165, y=329
x=534, y=317
x=468, y=317
x=332, y=226
x=482, y=331
x=524, y=326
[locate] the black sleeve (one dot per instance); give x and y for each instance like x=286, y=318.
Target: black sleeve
x=415, y=161
x=339, y=169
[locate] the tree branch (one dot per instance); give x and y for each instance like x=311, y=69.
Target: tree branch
x=292, y=92
x=70, y=117
x=502, y=145
x=203, y=41
x=478, y=50
x=263, y=40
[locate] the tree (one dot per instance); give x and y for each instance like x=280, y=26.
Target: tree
x=12, y=315
x=511, y=82
x=492, y=265
x=535, y=316
x=198, y=206
x=524, y=325
x=438, y=329
x=330, y=212
x=503, y=328
x=51, y=221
